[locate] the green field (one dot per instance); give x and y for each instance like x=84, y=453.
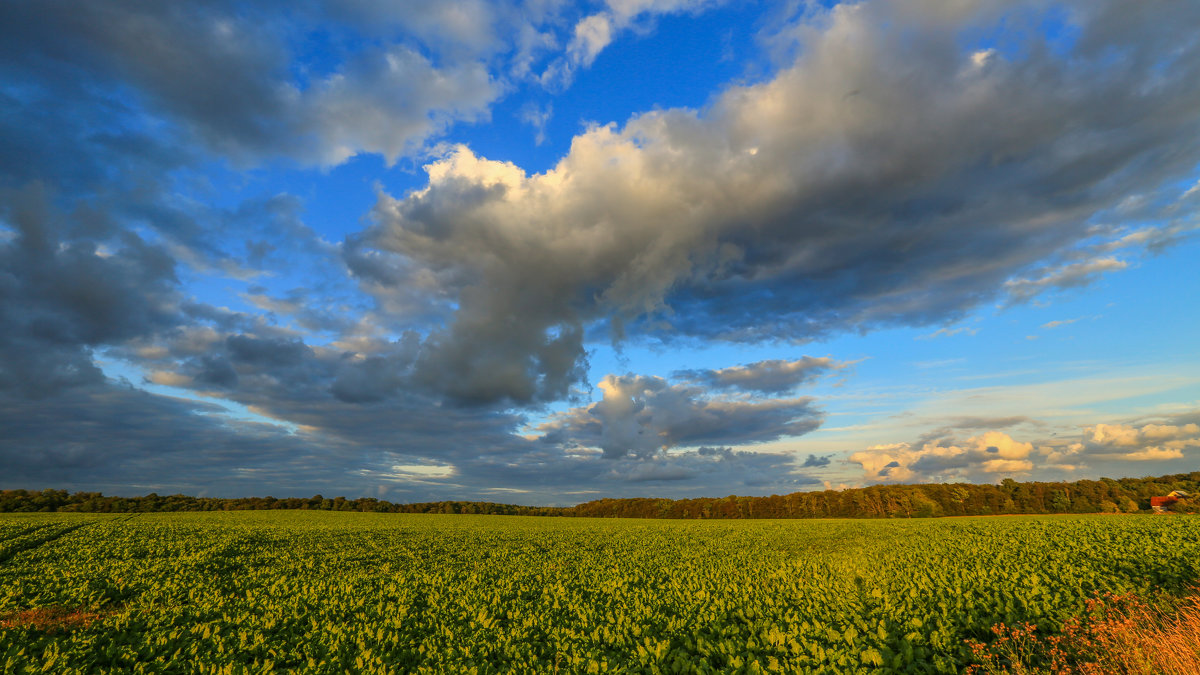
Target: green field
x=332, y=592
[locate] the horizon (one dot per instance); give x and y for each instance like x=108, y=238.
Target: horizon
x=348, y=498
x=541, y=253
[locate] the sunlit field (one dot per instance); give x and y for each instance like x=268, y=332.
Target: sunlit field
x=328, y=592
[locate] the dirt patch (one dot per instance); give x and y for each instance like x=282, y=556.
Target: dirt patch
x=52, y=619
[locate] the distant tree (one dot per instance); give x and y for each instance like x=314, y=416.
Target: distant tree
x=1059, y=501
x=1189, y=505
x=879, y=501
x=924, y=507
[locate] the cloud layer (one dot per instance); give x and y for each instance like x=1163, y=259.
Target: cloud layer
x=902, y=164
x=1142, y=448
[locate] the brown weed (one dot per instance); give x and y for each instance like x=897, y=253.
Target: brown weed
x=1117, y=635
x=51, y=619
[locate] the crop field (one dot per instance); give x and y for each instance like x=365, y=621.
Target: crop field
x=325, y=592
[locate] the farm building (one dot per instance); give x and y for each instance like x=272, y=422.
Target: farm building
x=1161, y=504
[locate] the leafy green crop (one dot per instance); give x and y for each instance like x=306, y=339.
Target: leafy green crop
x=322, y=592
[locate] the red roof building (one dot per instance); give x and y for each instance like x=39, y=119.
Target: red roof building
x=1160, y=504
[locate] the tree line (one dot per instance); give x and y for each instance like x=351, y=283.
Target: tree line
x=1107, y=495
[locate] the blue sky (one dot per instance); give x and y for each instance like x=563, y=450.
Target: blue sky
x=540, y=252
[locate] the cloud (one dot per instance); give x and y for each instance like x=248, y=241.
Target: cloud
x=786, y=210
x=60, y=300
x=281, y=427
x=939, y=457
x=389, y=102
x=971, y=422
x=373, y=409
x=1059, y=323
x=372, y=378
x=147, y=441
x=815, y=461
x=267, y=352
x=1073, y=275
x=471, y=26
x=594, y=32
x=716, y=464
x=226, y=75
x=775, y=376
x=989, y=455
x=1129, y=443
x=641, y=416
x=948, y=332
x=948, y=427
x=417, y=472
x=537, y=117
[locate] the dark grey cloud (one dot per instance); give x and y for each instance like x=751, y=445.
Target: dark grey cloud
x=958, y=173
x=775, y=376
x=116, y=435
x=269, y=352
x=708, y=471
x=60, y=300
x=215, y=370
x=323, y=431
x=511, y=360
x=817, y=461
x=649, y=473
x=378, y=402
x=301, y=438
x=721, y=467
x=374, y=378
x=642, y=416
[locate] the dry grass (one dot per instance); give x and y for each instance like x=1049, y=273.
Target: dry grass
x=1118, y=635
x=1130, y=636
x=52, y=619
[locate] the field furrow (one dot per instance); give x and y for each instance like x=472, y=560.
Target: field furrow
x=36, y=537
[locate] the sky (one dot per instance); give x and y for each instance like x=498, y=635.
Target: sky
x=542, y=252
